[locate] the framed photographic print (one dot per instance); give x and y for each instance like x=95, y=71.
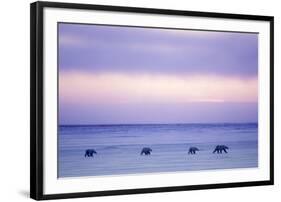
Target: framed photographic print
x=131, y=100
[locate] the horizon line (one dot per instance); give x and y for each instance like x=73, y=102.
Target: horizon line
x=120, y=124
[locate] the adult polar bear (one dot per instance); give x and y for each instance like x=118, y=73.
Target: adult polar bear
x=146, y=151
x=220, y=149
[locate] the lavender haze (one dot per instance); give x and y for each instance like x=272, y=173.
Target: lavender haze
x=131, y=75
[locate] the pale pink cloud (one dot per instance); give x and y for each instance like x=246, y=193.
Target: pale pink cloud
x=78, y=87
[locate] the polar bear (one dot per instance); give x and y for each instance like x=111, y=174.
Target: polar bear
x=220, y=148
x=192, y=150
x=90, y=152
x=146, y=151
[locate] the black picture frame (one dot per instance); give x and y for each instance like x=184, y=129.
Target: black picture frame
x=37, y=102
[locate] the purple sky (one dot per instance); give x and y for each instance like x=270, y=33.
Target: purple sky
x=112, y=74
